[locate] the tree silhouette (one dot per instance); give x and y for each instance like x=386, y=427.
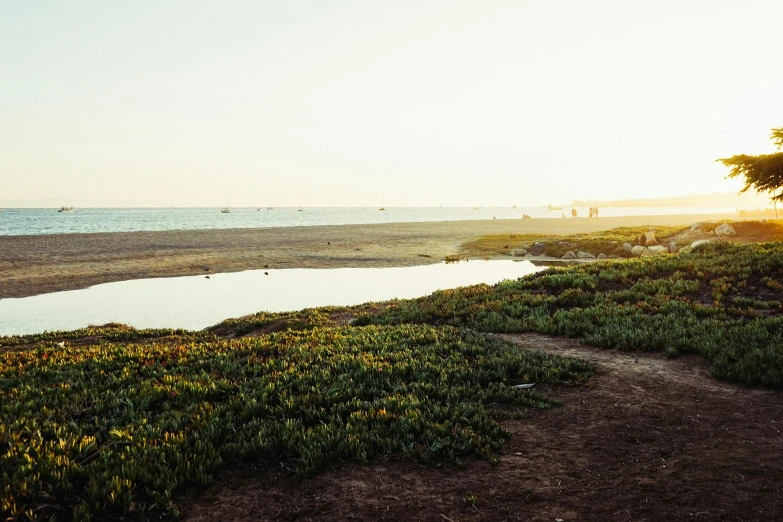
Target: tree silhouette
x=763, y=172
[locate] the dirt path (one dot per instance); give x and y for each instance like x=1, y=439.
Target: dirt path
x=647, y=439
x=31, y=265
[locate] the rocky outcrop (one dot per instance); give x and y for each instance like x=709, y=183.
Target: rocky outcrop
x=603, y=256
x=518, y=252
x=627, y=246
x=569, y=255
x=584, y=255
x=637, y=250
x=673, y=248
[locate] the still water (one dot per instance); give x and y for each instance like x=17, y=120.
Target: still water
x=195, y=302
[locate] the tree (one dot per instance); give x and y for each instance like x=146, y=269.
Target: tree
x=764, y=172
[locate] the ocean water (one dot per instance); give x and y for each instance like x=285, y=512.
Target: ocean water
x=195, y=302
x=15, y=222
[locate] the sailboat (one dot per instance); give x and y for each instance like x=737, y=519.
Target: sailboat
x=226, y=209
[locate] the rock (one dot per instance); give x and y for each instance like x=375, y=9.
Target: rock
x=569, y=255
x=649, y=239
x=518, y=252
x=685, y=249
x=725, y=230
x=648, y=253
x=525, y=216
x=602, y=256
x=584, y=255
x=538, y=248
x=703, y=226
x=697, y=244
x=673, y=248
x=627, y=246
x=637, y=250
x=529, y=255
x=658, y=249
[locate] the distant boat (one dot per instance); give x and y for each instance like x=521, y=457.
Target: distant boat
x=550, y=207
x=66, y=209
x=226, y=209
x=300, y=210
x=382, y=208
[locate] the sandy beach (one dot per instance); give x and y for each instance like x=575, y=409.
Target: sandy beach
x=37, y=264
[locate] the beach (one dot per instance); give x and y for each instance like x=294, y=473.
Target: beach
x=38, y=264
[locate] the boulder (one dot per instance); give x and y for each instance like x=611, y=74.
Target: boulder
x=697, y=244
x=725, y=230
x=648, y=253
x=569, y=255
x=518, y=252
x=529, y=255
x=673, y=248
x=649, y=239
x=627, y=246
x=658, y=249
x=602, y=256
x=584, y=255
x=703, y=226
x=637, y=250
x=538, y=248
x=685, y=249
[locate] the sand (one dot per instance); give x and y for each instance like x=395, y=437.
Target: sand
x=31, y=265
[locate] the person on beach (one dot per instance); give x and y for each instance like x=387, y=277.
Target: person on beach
x=574, y=213
x=595, y=211
x=590, y=210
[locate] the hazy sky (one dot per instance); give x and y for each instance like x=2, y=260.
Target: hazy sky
x=398, y=103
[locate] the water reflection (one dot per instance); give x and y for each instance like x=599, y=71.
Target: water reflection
x=196, y=302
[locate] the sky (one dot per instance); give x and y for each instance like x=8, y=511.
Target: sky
x=395, y=103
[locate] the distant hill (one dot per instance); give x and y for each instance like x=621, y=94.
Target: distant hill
x=727, y=199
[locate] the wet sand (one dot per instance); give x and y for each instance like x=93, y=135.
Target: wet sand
x=31, y=265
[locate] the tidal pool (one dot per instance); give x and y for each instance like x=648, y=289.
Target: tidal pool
x=195, y=302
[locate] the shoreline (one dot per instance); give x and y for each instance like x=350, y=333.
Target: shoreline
x=38, y=264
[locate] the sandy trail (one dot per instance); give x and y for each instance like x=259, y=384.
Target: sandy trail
x=647, y=439
x=32, y=265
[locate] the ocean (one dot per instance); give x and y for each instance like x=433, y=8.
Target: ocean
x=21, y=221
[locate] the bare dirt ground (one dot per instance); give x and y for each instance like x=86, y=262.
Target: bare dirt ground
x=31, y=265
x=647, y=439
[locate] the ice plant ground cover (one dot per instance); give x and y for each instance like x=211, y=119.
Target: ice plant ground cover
x=111, y=424
x=108, y=428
